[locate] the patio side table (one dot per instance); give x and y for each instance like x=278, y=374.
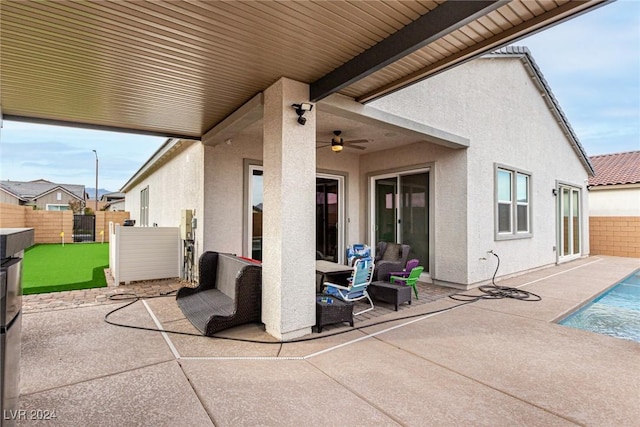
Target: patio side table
x=390, y=292
x=330, y=310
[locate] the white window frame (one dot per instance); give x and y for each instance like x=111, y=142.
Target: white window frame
x=144, y=207
x=57, y=205
x=513, y=232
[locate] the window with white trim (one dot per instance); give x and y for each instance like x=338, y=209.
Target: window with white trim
x=56, y=207
x=513, y=203
x=144, y=207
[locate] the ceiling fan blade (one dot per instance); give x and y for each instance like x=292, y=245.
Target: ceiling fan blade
x=357, y=147
x=357, y=141
x=322, y=146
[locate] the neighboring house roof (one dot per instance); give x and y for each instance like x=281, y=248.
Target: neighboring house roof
x=29, y=190
x=11, y=193
x=113, y=196
x=535, y=73
x=616, y=168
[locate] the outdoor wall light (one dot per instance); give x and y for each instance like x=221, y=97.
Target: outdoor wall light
x=554, y=192
x=301, y=109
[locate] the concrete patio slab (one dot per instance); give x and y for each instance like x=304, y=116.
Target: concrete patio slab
x=155, y=395
x=498, y=363
x=276, y=393
x=415, y=391
x=70, y=346
x=574, y=374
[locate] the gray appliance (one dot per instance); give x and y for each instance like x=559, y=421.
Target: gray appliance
x=13, y=241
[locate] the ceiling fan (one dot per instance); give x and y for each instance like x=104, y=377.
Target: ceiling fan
x=337, y=143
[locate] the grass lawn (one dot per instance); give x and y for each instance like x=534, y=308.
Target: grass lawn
x=52, y=268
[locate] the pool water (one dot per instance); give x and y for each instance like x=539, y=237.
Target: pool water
x=615, y=313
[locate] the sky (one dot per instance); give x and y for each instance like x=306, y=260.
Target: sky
x=592, y=64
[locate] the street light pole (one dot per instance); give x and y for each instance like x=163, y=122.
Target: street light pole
x=96, y=153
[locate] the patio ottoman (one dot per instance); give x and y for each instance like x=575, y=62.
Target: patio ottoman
x=390, y=292
x=330, y=310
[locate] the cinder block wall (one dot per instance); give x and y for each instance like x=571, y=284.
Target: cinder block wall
x=48, y=225
x=12, y=216
x=102, y=222
x=615, y=235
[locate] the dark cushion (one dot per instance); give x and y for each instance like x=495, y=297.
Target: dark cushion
x=392, y=253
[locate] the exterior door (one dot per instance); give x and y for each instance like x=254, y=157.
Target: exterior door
x=386, y=212
x=329, y=215
x=327, y=218
x=401, y=212
x=570, y=223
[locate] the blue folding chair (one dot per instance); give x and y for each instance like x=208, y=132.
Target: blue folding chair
x=358, y=283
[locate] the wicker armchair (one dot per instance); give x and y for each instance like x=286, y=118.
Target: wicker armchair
x=390, y=257
x=229, y=294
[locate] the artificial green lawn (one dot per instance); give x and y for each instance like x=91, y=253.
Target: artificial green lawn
x=52, y=268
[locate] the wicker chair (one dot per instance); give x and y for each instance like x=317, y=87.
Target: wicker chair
x=390, y=257
x=229, y=294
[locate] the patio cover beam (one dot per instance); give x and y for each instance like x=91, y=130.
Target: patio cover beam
x=445, y=18
x=557, y=15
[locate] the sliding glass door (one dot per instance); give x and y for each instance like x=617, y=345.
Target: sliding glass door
x=400, y=212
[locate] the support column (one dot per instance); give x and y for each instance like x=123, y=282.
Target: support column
x=288, y=229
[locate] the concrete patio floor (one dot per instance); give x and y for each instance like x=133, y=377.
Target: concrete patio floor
x=494, y=363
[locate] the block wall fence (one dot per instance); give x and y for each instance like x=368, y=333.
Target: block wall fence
x=615, y=235
x=48, y=225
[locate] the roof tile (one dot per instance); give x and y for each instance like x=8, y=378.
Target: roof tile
x=616, y=168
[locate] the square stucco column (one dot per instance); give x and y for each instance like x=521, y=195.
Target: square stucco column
x=288, y=228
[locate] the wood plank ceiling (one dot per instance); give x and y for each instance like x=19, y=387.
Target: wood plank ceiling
x=177, y=68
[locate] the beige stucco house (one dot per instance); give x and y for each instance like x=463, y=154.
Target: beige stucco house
x=478, y=158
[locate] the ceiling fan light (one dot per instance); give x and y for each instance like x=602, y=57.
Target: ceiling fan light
x=336, y=146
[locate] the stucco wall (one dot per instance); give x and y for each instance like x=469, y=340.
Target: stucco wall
x=224, y=178
x=178, y=186
x=496, y=104
x=614, y=201
x=448, y=176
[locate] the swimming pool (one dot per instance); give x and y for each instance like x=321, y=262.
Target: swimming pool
x=616, y=312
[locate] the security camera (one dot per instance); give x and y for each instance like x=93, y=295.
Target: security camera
x=301, y=109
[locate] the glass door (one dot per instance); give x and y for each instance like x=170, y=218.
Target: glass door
x=327, y=218
x=401, y=212
x=570, y=218
x=414, y=215
x=386, y=192
x=329, y=215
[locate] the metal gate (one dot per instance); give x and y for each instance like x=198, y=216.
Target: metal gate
x=84, y=228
